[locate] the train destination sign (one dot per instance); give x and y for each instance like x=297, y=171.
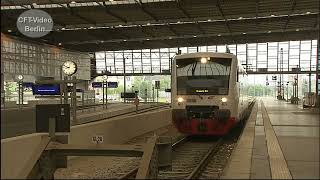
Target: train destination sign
x=202, y=90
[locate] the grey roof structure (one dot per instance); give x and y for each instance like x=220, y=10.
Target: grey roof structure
x=90, y=26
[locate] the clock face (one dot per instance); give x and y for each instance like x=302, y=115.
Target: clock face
x=20, y=77
x=69, y=67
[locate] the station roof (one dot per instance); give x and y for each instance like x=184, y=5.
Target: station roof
x=87, y=25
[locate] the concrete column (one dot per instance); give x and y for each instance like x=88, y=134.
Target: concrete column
x=2, y=89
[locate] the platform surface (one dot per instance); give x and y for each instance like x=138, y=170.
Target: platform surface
x=27, y=125
x=285, y=144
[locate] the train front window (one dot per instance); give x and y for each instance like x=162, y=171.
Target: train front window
x=201, y=76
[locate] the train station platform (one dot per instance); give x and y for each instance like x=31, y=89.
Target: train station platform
x=19, y=154
x=280, y=141
x=17, y=122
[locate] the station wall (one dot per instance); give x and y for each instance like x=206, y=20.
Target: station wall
x=38, y=60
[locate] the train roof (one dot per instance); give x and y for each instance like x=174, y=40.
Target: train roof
x=205, y=54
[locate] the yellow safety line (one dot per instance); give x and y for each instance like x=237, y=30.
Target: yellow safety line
x=278, y=164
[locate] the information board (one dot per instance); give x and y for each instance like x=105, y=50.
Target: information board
x=96, y=84
x=128, y=95
x=46, y=89
x=112, y=84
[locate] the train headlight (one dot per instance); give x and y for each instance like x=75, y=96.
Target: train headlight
x=224, y=99
x=180, y=99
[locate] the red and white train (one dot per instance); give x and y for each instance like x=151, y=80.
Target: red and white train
x=209, y=93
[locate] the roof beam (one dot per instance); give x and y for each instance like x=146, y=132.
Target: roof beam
x=111, y=13
x=293, y=6
x=257, y=10
x=213, y=40
x=181, y=37
x=200, y=29
x=145, y=32
x=183, y=10
x=172, y=30
x=72, y=13
x=121, y=33
x=188, y=16
x=225, y=19
x=223, y=16
x=79, y=16
x=145, y=11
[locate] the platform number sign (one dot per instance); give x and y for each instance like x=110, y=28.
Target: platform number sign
x=157, y=84
x=97, y=139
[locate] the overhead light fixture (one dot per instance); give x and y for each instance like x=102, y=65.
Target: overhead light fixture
x=297, y=29
x=73, y=2
x=120, y=25
x=209, y=20
x=308, y=12
x=240, y=18
x=63, y=28
x=9, y=30
x=203, y=60
x=269, y=31
x=60, y=44
x=194, y=36
x=124, y=40
x=110, y=0
x=91, y=27
x=148, y=24
x=148, y=39
x=170, y=37
x=272, y=15
x=178, y=22
x=34, y=4
x=102, y=41
x=219, y=34
x=244, y=33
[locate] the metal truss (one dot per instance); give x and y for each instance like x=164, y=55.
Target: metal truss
x=258, y=58
x=28, y=58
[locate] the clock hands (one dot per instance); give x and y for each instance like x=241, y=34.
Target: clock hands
x=69, y=68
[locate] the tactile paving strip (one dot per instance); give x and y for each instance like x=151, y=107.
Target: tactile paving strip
x=278, y=164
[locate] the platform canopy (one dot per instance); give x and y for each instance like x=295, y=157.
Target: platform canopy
x=90, y=26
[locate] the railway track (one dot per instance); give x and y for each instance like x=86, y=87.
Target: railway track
x=189, y=157
x=197, y=157
x=140, y=111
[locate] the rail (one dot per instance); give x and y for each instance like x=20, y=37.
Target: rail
x=133, y=172
x=139, y=111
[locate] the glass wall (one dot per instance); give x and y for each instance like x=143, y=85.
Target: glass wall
x=270, y=56
x=275, y=56
x=145, y=85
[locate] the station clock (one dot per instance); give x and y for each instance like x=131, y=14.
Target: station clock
x=69, y=68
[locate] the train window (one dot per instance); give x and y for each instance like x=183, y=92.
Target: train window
x=210, y=77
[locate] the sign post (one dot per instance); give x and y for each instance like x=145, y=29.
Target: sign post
x=157, y=86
